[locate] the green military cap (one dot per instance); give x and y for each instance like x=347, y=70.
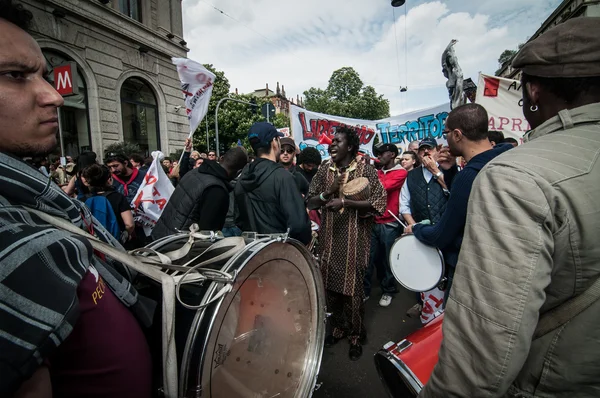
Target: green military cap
x=571, y=49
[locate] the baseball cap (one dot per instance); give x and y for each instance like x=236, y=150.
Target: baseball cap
x=388, y=147
x=262, y=133
x=287, y=141
x=431, y=142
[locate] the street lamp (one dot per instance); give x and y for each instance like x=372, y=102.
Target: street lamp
x=398, y=3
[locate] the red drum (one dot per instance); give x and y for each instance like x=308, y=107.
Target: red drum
x=405, y=367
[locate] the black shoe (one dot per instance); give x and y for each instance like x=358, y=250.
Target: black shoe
x=330, y=341
x=355, y=352
x=363, y=338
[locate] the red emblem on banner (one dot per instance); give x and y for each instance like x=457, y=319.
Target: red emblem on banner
x=491, y=87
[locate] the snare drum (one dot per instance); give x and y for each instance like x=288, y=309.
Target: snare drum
x=264, y=337
x=416, y=266
x=406, y=366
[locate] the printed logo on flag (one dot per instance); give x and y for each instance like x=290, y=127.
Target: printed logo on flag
x=491, y=87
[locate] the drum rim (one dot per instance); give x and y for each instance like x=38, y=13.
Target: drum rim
x=313, y=357
x=439, y=252
x=410, y=379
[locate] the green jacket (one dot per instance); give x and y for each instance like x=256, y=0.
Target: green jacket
x=531, y=243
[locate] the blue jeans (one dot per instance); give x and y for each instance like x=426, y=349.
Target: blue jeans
x=383, y=237
x=231, y=231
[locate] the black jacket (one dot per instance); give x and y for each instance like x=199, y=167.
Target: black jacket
x=301, y=181
x=202, y=197
x=269, y=202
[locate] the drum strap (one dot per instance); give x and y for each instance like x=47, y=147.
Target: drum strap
x=568, y=310
x=168, y=289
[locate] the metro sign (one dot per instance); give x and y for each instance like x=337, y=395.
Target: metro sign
x=65, y=80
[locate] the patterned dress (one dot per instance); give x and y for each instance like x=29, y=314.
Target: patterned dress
x=345, y=238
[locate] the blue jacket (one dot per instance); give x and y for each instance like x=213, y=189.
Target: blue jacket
x=447, y=234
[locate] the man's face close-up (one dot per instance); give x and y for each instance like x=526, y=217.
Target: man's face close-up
x=287, y=155
x=28, y=103
x=117, y=168
x=212, y=156
x=429, y=151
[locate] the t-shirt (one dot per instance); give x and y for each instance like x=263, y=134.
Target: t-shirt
x=119, y=204
x=106, y=354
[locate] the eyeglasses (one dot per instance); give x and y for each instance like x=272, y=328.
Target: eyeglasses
x=290, y=151
x=211, y=155
x=445, y=134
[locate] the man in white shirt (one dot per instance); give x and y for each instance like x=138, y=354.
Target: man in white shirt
x=425, y=193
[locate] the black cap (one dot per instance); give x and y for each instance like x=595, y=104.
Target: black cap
x=431, y=142
x=262, y=133
x=387, y=147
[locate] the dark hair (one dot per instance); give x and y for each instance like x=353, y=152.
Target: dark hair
x=136, y=157
x=235, y=158
x=169, y=159
x=83, y=161
x=510, y=140
x=259, y=150
x=569, y=89
x=471, y=119
x=115, y=157
x=496, y=136
x=97, y=176
x=310, y=155
x=351, y=137
x=16, y=14
x=148, y=161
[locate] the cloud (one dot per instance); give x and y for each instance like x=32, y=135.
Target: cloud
x=301, y=44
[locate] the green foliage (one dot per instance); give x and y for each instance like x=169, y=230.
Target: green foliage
x=347, y=96
x=235, y=118
x=506, y=57
x=125, y=148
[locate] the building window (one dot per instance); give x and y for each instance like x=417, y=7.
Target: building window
x=140, y=115
x=131, y=8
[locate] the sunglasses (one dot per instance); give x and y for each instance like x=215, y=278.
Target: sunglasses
x=211, y=155
x=290, y=151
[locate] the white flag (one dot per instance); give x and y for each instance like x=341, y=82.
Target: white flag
x=153, y=195
x=197, y=86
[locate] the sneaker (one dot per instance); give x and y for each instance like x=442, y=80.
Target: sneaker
x=366, y=299
x=386, y=300
x=414, y=311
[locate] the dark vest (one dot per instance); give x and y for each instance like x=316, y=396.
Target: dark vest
x=427, y=200
x=183, y=208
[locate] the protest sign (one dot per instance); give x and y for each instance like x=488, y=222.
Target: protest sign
x=503, y=100
x=153, y=195
x=317, y=129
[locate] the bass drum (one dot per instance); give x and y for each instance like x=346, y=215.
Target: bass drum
x=265, y=336
x=406, y=366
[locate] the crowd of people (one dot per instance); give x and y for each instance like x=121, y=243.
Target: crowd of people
x=516, y=227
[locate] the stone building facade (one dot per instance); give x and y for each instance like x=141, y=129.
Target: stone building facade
x=128, y=88
x=566, y=10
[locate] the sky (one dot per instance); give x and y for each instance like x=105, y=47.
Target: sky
x=299, y=44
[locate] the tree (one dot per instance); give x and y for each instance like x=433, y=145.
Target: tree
x=507, y=56
x=347, y=96
x=125, y=148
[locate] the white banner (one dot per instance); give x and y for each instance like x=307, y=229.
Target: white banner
x=316, y=129
x=285, y=131
x=503, y=100
x=153, y=195
x=196, y=85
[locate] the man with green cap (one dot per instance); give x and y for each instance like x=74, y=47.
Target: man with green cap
x=523, y=315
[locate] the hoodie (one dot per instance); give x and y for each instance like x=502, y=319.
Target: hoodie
x=269, y=202
x=447, y=234
x=392, y=181
x=201, y=197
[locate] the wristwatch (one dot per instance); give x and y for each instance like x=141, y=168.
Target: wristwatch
x=438, y=175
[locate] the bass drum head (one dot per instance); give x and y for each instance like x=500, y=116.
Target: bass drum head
x=416, y=266
x=266, y=336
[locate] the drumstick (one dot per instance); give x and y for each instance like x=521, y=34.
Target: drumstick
x=397, y=219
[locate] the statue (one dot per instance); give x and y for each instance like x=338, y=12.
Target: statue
x=453, y=73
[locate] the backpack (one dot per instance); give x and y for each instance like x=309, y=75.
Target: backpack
x=104, y=213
